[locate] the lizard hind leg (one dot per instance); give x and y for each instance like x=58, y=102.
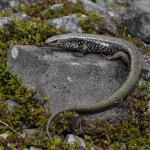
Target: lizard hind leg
x=121, y=56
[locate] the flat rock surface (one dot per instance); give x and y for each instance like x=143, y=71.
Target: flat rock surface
x=67, y=79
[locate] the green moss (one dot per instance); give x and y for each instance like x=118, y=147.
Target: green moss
x=32, y=32
x=4, y=13
x=90, y=23
x=45, y=11
x=30, y=112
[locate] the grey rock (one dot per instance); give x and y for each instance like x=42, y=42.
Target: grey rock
x=90, y=6
x=123, y=146
x=145, y=79
x=14, y=3
x=123, y=1
x=108, y=15
x=92, y=148
x=35, y=148
x=4, y=135
x=113, y=2
x=87, y=4
x=71, y=139
x=108, y=24
x=69, y=23
x=73, y=1
x=137, y=19
x=100, y=3
x=7, y=4
x=55, y=6
x=5, y=20
x=68, y=80
x=116, y=12
x=146, y=69
x=10, y=105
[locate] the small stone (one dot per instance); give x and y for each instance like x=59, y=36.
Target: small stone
x=4, y=135
x=55, y=6
x=92, y=148
x=11, y=104
x=7, y=4
x=13, y=3
x=100, y=3
x=71, y=139
x=123, y=146
x=116, y=11
x=35, y=148
x=90, y=6
x=149, y=106
x=14, y=52
x=108, y=24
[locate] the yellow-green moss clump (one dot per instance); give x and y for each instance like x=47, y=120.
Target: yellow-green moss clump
x=130, y=134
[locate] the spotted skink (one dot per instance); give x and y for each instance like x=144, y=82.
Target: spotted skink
x=110, y=48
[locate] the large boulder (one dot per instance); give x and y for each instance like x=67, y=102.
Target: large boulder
x=68, y=79
x=137, y=19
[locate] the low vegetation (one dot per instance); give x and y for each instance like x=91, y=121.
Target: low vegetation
x=132, y=133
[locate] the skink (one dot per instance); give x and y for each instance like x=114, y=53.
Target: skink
x=110, y=48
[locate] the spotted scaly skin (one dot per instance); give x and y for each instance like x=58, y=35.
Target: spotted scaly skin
x=109, y=47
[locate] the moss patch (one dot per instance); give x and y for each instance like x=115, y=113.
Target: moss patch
x=132, y=133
